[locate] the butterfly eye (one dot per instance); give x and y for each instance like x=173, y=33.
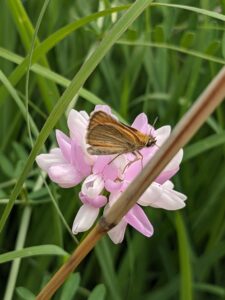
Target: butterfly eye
x=151, y=141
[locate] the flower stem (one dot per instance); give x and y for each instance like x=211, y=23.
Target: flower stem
x=78, y=255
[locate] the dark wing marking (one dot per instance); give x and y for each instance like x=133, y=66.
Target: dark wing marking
x=110, y=139
x=104, y=150
x=106, y=135
x=99, y=118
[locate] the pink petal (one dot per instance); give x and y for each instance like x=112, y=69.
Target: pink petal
x=77, y=123
x=110, y=171
x=79, y=160
x=113, y=186
x=166, y=175
x=85, y=218
x=100, y=163
x=64, y=144
x=97, y=202
x=138, y=219
x=92, y=186
x=171, y=169
x=105, y=167
x=141, y=123
x=105, y=108
x=65, y=175
x=133, y=170
x=108, y=168
x=117, y=233
x=55, y=157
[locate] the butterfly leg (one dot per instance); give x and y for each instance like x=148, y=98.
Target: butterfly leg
x=114, y=158
x=137, y=155
x=141, y=156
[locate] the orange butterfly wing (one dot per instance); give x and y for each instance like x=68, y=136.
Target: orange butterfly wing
x=108, y=136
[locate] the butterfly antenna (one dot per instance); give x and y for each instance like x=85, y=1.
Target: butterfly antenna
x=156, y=119
x=152, y=126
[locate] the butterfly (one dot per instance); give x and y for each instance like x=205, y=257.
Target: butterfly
x=107, y=136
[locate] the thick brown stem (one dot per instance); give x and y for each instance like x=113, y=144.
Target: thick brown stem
x=77, y=256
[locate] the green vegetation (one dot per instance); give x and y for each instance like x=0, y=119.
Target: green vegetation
x=157, y=59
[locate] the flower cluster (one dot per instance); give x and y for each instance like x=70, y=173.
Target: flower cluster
x=71, y=164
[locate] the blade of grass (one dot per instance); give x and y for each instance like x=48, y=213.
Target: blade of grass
x=51, y=41
x=211, y=14
x=46, y=73
x=32, y=251
x=19, y=102
x=186, y=289
x=206, y=144
x=24, y=225
x=215, y=290
x=173, y=48
x=105, y=260
x=26, y=31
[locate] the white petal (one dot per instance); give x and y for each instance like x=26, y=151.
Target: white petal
x=162, y=134
x=175, y=162
x=117, y=233
x=162, y=196
x=92, y=186
x=55, y=157
x=85, y=218
x=77, y=123
x=65, y=175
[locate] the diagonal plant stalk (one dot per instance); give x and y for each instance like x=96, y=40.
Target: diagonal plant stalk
x=183, y=132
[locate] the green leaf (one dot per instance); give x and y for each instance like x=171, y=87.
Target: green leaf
x=223, y=45
x=70, y=287
x=204, y=145
x=98, y=293
x=186, y=289
x=32, y=251
x=187, y=39
x=105, y=260
x=217, y=291
x=6, y=165
x=51, y=41
x=158, y=34
x=197, y=10
x=174, y=48
x=24, y=293
x=213, y=47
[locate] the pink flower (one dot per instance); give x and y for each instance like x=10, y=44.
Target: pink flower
x=70, y=164
x=135, y=217
x=92, y=200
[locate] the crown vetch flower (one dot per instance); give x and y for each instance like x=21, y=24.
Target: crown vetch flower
x=104, y=179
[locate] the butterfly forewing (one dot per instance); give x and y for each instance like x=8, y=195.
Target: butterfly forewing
x=100, y=118
x=108, y=136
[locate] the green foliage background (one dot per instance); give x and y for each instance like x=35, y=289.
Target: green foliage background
x=160, y=65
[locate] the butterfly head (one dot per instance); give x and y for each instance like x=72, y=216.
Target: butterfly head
x=151, y=141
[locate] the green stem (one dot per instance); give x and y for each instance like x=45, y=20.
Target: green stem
x=19, y=245
x=184, y=257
